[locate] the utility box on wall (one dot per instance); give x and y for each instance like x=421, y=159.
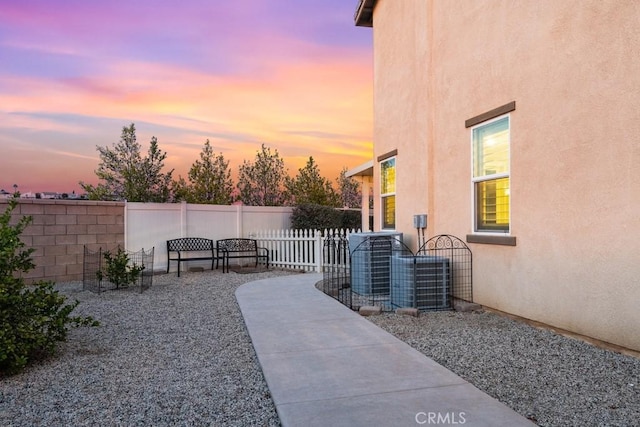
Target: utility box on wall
x=420, y=221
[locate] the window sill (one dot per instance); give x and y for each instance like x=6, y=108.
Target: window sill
x=491, y=240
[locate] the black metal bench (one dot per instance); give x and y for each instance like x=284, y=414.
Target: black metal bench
x=201, y=248
x=240, y=248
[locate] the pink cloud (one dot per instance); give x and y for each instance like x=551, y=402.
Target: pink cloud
x=232, y=72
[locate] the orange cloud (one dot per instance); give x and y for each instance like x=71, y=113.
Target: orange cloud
x=319, y=109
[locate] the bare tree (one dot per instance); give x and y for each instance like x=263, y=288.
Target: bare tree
x=349, y=190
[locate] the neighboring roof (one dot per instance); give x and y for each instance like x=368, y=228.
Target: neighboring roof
x=365, y=169
x=364, y=13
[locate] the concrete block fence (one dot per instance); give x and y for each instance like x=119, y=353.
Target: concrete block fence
x=60, y=229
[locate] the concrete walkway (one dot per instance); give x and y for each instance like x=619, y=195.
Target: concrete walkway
x=325, y=365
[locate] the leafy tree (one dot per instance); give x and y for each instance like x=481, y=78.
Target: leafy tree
x=349, y=190
x=180, y=190
x=210, y=180
x=155, y=185
x=126, y=175
x=261, y=183
x=32, y=319
x=308, y=187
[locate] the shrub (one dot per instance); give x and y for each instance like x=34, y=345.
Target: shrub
x=351, y=220
x=314, y=217
x=118, y=271
x=33, y=319
x=318, y=217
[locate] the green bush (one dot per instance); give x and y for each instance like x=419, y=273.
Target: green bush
x=33, y=319
x=318, y=217
x=351, y=220
x=314, y=217
x=118, y=271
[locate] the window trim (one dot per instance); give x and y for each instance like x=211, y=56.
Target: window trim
x=384, y=159
x=385, y=156
x=485, y=117
x=496, y=176
x=492, y=239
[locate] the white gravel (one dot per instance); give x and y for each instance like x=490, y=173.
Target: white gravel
x=551, y=379
x=179, y=355
x=176, y=355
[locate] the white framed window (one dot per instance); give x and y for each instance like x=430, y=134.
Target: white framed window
x=388, y=193
x=490, y=141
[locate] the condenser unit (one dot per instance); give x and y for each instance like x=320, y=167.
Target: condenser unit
x=370, y=261
x=422, y=282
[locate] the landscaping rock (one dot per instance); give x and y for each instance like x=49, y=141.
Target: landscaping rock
x=408, y=311
x=370, y=310
x=465, y=306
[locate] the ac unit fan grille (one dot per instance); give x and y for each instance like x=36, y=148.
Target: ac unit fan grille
x=422, y=282
x=370, y=261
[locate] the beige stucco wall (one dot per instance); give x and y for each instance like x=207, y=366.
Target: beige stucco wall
x=573, y=69
x=401, y=116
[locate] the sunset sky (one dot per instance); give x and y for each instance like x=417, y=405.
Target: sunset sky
x=295, y=75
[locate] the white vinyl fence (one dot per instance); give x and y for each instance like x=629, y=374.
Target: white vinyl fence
x=303, y=249
x=150, y=225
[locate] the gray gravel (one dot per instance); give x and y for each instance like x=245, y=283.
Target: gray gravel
x=179, y=354
x=549, y=378
x=176, y=355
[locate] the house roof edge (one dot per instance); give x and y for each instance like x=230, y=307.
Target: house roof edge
x=364, y=13
x=365, y=169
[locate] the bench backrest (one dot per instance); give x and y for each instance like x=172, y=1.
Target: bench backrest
x=237, y=245
x=189, y=244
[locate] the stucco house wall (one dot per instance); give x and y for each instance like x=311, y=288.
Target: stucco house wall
x=571, y=67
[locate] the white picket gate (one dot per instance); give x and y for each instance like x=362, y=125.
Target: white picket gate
x=302, y=249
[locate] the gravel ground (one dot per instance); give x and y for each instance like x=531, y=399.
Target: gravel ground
x=176, y=355
x=551, y=379
x=179, y=354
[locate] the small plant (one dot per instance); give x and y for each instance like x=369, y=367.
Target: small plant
x=33, y=319
x=119, y=270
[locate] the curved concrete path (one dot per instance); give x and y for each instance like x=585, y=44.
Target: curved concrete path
x=325, y=365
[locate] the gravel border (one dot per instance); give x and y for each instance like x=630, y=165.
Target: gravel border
x=177, y=354
x=180, y=354
x=549, y=378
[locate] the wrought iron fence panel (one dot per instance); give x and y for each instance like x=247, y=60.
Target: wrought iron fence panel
x=379, y=270
x=95, y=277
x=461, y=263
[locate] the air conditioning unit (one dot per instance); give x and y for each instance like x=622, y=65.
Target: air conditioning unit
x=370, y=261
x=422, y=282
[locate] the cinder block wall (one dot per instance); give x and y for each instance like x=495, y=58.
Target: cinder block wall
x=61, y=228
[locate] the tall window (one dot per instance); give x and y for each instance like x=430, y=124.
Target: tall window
x=388, y=193
x=490, y=142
